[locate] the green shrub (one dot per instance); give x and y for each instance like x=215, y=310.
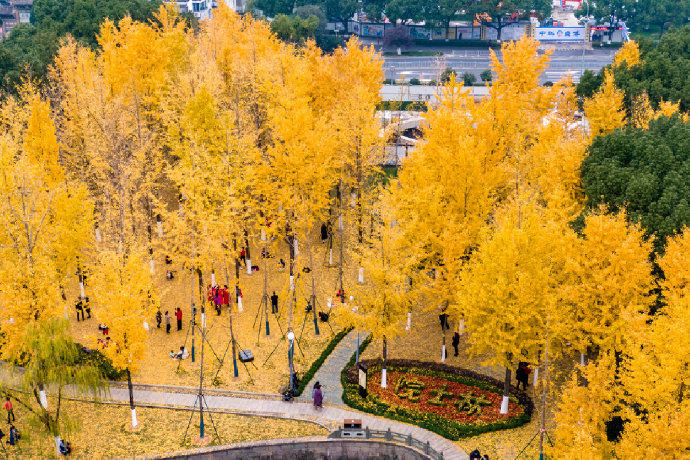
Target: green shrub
x=415, y=81
x=388, y=81
x=102, y=363
x=306, y=378
x=468, y=78
x=432, y=83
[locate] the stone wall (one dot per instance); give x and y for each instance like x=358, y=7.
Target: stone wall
x=314, y=448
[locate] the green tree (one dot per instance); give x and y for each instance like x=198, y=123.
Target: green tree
x=272, y=8
x=662, y=72
x=646, y=171
x=293, y=28
x=447, y=74
x=498, y=14
x=33, y=46
x=51, y=358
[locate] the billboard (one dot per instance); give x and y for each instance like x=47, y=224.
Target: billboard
x=560, y=34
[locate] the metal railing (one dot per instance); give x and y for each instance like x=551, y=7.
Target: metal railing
x=391, y=436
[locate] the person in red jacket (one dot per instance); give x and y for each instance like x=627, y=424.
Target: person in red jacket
x=226, y=296
x=178, y=315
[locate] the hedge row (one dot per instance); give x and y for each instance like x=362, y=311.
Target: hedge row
x=306, y=378
x=450, y=429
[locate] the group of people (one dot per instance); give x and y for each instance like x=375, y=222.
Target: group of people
x=159, y=320
x=219, y=296
x=182, y=354
x=82, y=306
x=13, y=432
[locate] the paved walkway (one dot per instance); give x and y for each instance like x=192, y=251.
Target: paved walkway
x=329, y=416
x=329, y=372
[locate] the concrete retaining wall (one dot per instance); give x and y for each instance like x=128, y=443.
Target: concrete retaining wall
x=314, y=448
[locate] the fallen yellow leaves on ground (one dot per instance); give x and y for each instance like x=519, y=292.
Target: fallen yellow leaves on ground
x=103, y=431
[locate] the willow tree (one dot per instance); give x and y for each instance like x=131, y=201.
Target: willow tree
x=46, y=223
x=50, y=357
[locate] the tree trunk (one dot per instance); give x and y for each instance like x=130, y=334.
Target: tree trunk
x=249, y=257
x=506, y=392
x=235, y=370
x=131, y=399
x=384, y=383
x=313, y=287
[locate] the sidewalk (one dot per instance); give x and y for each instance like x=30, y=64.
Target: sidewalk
x=329, y=415
x=329, y=372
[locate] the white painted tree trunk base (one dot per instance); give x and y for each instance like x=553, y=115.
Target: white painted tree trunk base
x=361, y=275
x=213, y=278
x=409, y=321
x=249, y=266
x=443, y=354
x=536, y=377
x=159, y=224
x=239, y=304
x=98, y=235
x=582, y=359
x=203, y=320
x=295, y=246
x=461, y=326
x=263, y=235
x=383, y=378
x=44, y=400
x=135, y=423
x=152, y=268
x=81, y=289
x=329, y=302
x=292, y=282
x=57, y=444
x=504, y=405
x=330, y=257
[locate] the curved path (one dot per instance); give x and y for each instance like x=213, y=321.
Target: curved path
x=331, y=416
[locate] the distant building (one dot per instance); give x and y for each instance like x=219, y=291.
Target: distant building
x=13, y=12
x=203, y=9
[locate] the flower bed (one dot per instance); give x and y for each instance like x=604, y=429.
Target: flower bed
x=450, y=401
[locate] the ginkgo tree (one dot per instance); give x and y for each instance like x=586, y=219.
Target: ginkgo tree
x=46, y=224
x=125, y=300
x=380, y=304
x=508, y=291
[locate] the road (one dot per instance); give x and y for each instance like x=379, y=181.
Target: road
x=478, y=60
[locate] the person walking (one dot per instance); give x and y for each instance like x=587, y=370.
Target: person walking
x=456, y=342
x=167, y=322
x=159, y=318
x=522, y=375
x=317, y=395
x=178, y=315
x=10, y=410
x=80, y=310
x=274, y=302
